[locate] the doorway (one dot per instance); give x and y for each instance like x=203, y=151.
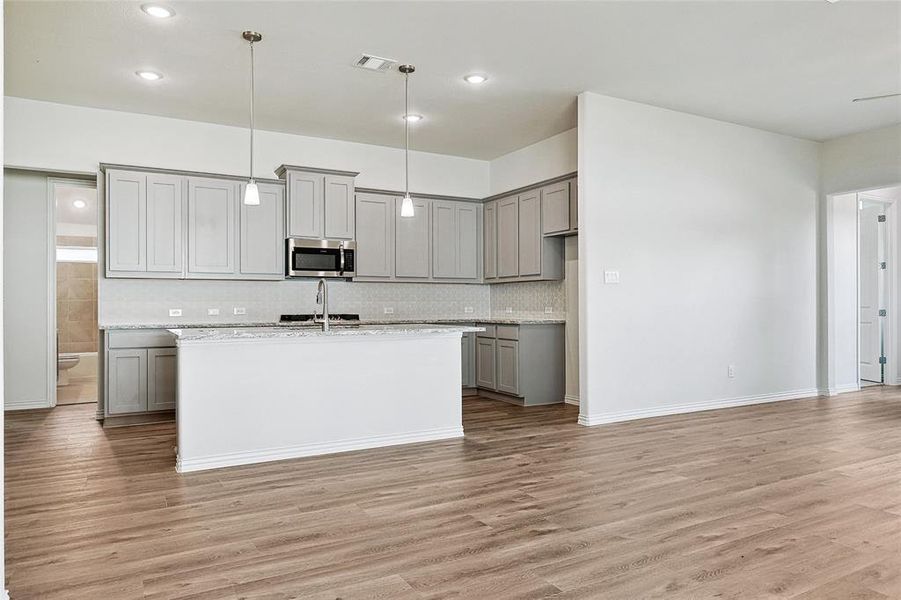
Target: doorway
x=75, y=276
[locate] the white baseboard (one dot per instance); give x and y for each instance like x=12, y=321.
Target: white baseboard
x=843, y=389
x=570, y=399
x=270, y=454
x=662, y=411
x=26, y=404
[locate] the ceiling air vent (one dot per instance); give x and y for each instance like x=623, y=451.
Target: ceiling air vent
x=374, y=63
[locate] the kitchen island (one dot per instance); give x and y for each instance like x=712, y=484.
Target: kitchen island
x=254, y=394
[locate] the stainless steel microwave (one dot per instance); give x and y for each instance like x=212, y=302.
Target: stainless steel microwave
x=320, y=258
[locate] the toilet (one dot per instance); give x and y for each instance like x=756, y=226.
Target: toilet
x=63, y=363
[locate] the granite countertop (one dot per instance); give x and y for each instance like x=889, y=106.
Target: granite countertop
x=243, y=324
x=218, y=334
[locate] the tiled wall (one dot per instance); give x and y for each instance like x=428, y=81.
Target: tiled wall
x=76, y=307
x=529, y=300
x=149, y=301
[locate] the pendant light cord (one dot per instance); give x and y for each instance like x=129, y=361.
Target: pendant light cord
x=251, y=109
x=407, y=133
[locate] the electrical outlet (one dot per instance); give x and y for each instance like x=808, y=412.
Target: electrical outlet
x=611, y=276
x=212, y=312
x=467, y=310
x=389, y=310
x=508, y=310
x=548, y=310
x=174, y=312
x=240, y=310
x=731, y=371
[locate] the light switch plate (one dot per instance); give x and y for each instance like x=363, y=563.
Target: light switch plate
x=174, y=312
x=508, y=310
x=212, y=312
x=611, y=276
x=389, y=310
x=548, y=310
x=467, y=310
x=240, y=310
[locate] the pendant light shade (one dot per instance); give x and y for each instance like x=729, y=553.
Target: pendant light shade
x=406, y=205
x=251, y=192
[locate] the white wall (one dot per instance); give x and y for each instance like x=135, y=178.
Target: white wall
x=26, y=290
x=843, y=248
x=712, y=227
x=549, y=158
x=862, y=161
x=60, y=137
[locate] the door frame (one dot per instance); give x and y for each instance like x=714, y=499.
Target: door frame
x=52, y=348
x=889, y=375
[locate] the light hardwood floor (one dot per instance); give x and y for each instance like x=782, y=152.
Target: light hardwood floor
x=798, y=499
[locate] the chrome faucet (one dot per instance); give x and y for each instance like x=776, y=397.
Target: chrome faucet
x=322, y=298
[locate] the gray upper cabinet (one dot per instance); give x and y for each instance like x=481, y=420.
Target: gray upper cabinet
x=444, y=239
x=126, y=221
x=555, y=208
x=262, y=247
x=489, y=248
x=508, y=237
x=165, y=223
x=127, y=381
x=305, y=204
x=412, y=241
x=574, y=205
x=375, y=235
x=339, y=207
x=212, y=227
x=161, y=378
x=321, y=203
x=469, y=217
x=530, y=238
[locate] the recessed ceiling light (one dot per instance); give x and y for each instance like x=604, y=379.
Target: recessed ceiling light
x=149, y=75
x=412, y=118
x=79, y=203
x=160, y=12
x=475, y=78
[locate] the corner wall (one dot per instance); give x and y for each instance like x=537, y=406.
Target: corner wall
x=712, y=227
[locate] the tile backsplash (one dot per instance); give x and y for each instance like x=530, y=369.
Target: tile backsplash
x=149, y=301
x=529, y=299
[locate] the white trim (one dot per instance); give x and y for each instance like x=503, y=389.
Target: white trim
x=843, y=389
x=662, y=411
x=571, y=399
x=28, y=404
x=257, y=456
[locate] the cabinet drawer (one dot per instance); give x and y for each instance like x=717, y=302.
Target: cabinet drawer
x=490, y=331
x=140, y=338
x=507, y=332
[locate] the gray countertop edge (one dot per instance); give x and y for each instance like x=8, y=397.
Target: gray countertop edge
x=276, y=333
x=489, y=321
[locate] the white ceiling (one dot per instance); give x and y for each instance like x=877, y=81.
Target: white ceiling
x=66, y=211
x=785, y=66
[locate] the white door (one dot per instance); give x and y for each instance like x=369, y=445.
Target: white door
x=871, y=255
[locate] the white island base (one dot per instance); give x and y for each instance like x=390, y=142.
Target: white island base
x=263, y=394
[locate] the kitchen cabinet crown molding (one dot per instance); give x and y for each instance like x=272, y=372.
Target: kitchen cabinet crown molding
x=418, y=195
x=282, y=171
x=161, y=170
x=531, y=186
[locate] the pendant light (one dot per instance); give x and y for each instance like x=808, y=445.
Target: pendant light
x=251, y=192
x=406, y=206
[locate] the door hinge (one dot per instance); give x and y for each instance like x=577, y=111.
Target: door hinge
x=881, y=360
x=881, y=218
x=882, y=312
x=882, y=265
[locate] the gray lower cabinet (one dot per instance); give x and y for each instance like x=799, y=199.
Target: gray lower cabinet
x=486, y=375
x=468, y=357
x=261, y=243
x=212, y=227
x=523, y=364
x=127, y=381
x=140, y=372
x=161, y=378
